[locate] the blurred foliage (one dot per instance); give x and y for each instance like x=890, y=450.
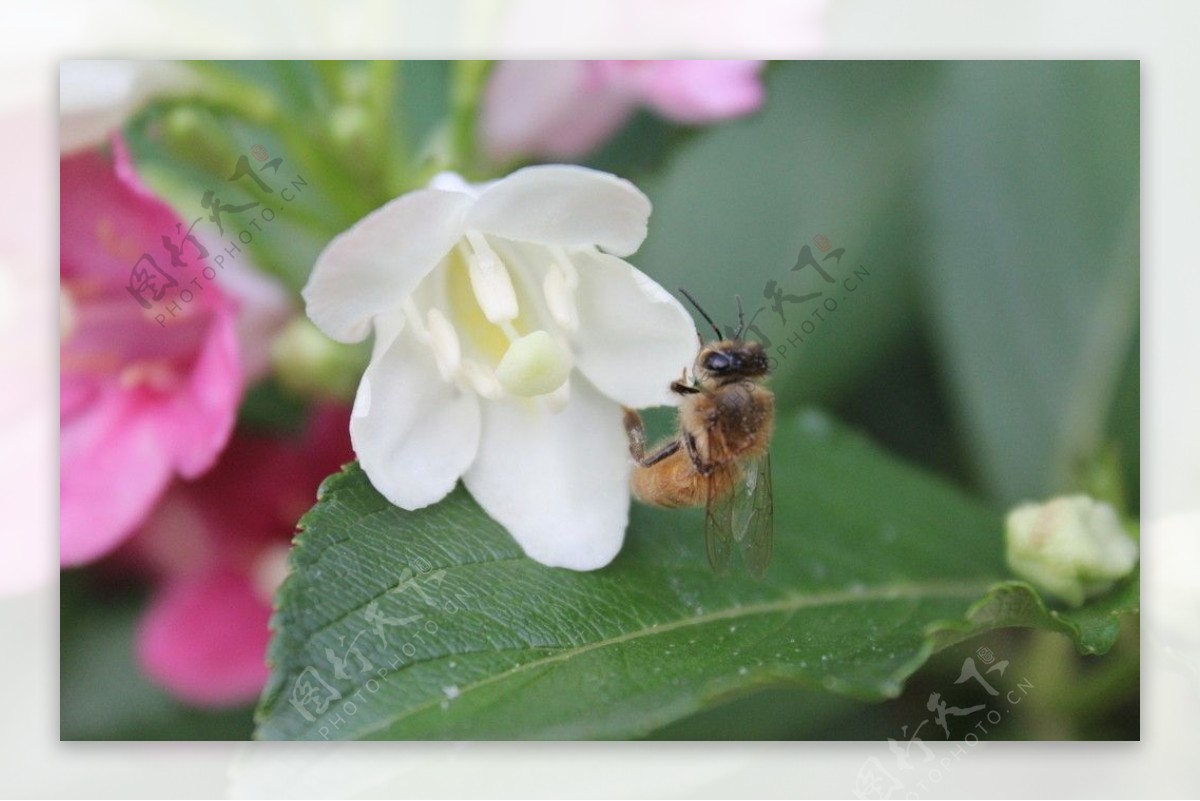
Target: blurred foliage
x=102, y=692
x=1031, y=192
x=830, y=154
x=994, y=204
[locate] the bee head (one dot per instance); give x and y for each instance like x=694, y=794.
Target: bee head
x=732, y=360
x=729, y=359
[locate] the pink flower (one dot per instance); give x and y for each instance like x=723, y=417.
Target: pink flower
x=219, y=547
x=141, y=400
x=564, y=109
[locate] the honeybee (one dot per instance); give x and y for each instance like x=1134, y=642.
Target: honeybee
x=720, y=458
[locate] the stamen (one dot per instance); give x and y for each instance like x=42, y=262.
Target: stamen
x=481, y=379
x=155, y=374
x=444, y=340
x=490, y=281
x=560, y=299
x=563, y=260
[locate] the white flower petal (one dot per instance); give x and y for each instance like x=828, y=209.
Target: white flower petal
x=453, y=182
x=557, y=400
x=564, y=205
x=634, y=337
x=414, y=434
x=558, y=482
x=376, y=264
x=387, y=327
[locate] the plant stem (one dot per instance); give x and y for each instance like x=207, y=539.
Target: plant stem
x=387, y=130
x=466, y=88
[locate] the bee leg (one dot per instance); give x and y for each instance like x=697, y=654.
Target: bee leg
x=702, y=467
x=660, y=454
x=682, y=386
x=636, y=431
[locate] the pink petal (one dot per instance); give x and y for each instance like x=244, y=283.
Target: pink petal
x=205, y=634
x=204, y=639
x=198, y=419
x=703, y=91
x=119, y=452
x=141, y=400
x=555, y=109
x=113, y=468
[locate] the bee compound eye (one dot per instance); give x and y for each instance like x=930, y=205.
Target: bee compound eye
x=716, y=361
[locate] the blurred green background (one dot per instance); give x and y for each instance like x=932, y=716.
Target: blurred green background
x=995, y=208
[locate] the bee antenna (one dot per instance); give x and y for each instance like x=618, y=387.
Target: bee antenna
x=703, y=313
x=751, y=323
x=741, y=316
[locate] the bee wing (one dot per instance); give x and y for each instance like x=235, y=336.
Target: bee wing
x=753, y=501
x=718, y=525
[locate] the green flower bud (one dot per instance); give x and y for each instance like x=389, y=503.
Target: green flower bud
x=349, y=126
x=194, y=135
x=308, y=363
x=1072, y=547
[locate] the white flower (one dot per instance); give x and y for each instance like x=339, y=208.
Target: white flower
x=96, y=97
x=507, y=337
x=1073, y=547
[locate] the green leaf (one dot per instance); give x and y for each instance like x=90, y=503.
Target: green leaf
x=1032, y=261
x=1094, y=627
x=441, y=628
